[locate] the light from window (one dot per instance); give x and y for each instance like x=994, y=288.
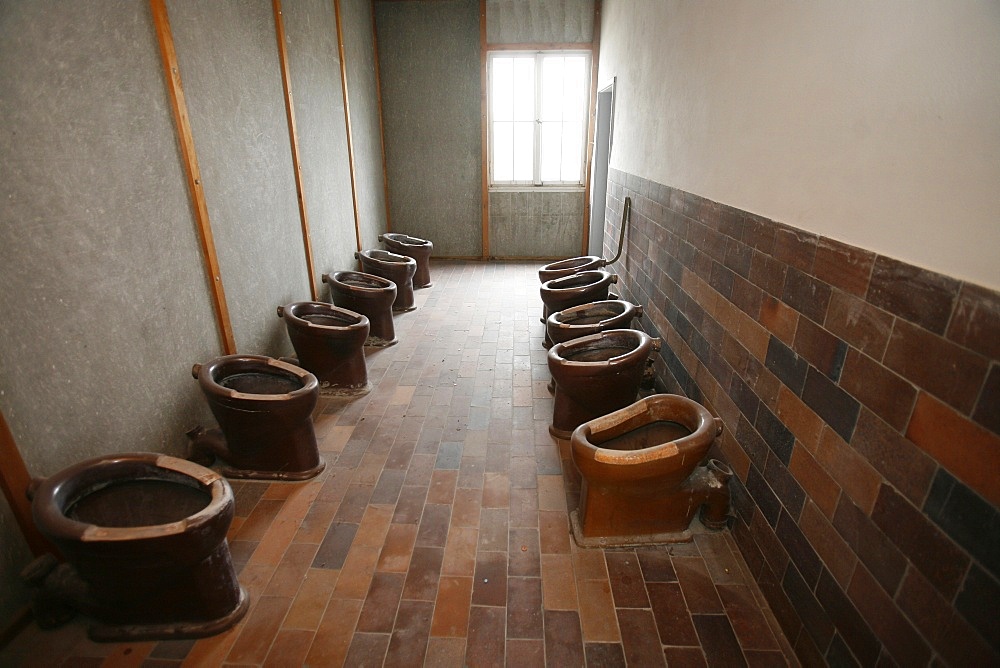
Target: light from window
x=538, y=113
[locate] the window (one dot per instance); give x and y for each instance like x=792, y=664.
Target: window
x=538, y=118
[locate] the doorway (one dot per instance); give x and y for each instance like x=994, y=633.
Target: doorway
x=602, y=160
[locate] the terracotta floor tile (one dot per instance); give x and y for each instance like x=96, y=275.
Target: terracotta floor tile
x=493, y=533
x=626, y=580
x=433, y=527
x=335, y=439
x=289, y=649
x=524, y=652
x=588, y=564
x=597, y=611
x=747, y=620
x=356, y=574
x=291, y=571
x=397, y=548
x=379, y=611
x=445, y=652
x=460, y=551
x=465, y=512
x=685, y=657
x=333, y=550
x=486, y=644
x=699, y=592
x=442, y=488
x=553, y=532
x=524, y=553
x=656, y=565
x=451, y=609
x=524, y=608
x=604, y=655
x=490, y=585
x=551, y=494
x=639, y=639
x=718, y=640
x=722, y=564
x=563, y=641
x=309, y=605
x=523, y=507
x=496, y=490
x=671, y=614
x=367, y=649
x=410, y=505
x=423, y=574
x=408, y=643
x=558, y=583
x=262, y=625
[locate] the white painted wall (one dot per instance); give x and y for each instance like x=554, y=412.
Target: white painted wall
x=874, y=123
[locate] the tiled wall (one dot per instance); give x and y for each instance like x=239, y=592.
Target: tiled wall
x=861, y=398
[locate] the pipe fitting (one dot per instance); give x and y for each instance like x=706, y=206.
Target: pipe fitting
x=380, y=237
x=657, y=344
x=614, y=278
x=196, y=371
x=638, y=311
x=325, y=278
x=281, y=311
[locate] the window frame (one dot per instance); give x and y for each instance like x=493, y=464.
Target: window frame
x=536, y=183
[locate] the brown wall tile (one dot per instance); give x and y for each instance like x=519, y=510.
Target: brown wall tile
x=836, y=554
x=795, y=248
x=904, y=643
x=937, y=429
x=918, y=295
x=842, y=266
x=945, y=369
x=817, y=483
x=900, y=462
x=886, y=394
x=977, y=320
x=862, y=325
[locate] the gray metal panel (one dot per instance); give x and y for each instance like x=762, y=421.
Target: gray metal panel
x=539, y=21
x=536, y=224
x=362, y=92
x=228, y=58
x=429, y=63
x=314, y=61
x=104, y=294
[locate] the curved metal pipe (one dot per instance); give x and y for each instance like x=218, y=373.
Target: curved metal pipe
x=626, y=211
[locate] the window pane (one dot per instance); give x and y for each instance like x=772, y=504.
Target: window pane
x=503, y=151
x=574, y=100
x=551, y=152
x=503, y=89
x=552, y=88
x=524, y=150
x=572, y=151
x=524, y=89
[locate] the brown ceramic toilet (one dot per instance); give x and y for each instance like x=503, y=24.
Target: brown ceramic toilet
x=264, y=410
x=560, y=294
x=397, y=268
x=590, y=318
x=144, y=537
x=642, y=482
x=569, y=266
x=371, y=296
x=329, y=342
x=595, y=375
x=419, y=249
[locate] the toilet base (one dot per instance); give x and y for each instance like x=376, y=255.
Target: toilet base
x=289, y=476
x=421, y=287
x=338, y=391
x=102, y=632
x=561, y=434
x=405, y=309
x=635, y=540
x=376, y=342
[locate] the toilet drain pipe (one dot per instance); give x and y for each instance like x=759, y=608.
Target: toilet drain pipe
x=626, y=214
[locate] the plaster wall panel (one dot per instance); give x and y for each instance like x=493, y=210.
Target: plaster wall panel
x=314, y=61
x=539, y=21
x=874, y=124
x=104, y=296
x=362, y=92
x=228, y=58
x=429, y=64
x=535, y=224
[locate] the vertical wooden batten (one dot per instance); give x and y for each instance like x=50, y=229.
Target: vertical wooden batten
x=286, y=80
x=15, y=480
x=381, y=124
x=347, y=122
x=591, y=126
x=173, y=79
x=484, y=109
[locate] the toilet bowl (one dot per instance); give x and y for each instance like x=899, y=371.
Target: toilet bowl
x=560, y=294
x=397, y=268
x=264, y=410
x=144, y=537
x=371, y=296
x=569, y=266
x=329, y=343
x=641, y=479
x=595, y=375
x=590, y=318
x=419, y=249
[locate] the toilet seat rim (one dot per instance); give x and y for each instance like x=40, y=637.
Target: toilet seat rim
x=68, y=485
x=310, y=384
x=392, y=236
x=705, y=431
x=337, y=278
x=403, y=259
x=601, y=277
x=290, y=315
x=560, y=265
x=641, y=349
x=629, y=309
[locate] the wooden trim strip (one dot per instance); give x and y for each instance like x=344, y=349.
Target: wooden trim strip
x=286, y=81
x=543, y=46
x=347, y=123
x=173, y=79
x=381, y=125
x=484, y=109
x=591, y=126
x=15, y=480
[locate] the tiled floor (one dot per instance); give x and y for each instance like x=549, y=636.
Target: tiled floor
x=438, y=532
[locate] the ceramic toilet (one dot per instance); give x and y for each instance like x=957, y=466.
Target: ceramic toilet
x=590, y=318
x=144, y=537
x=264, y=410
x=570, y=266
x=371, y=296
x=595, y=375
x=329, y=342
x=582, y=287
x=641, y=479
x=397, y=268
x=419, y=249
